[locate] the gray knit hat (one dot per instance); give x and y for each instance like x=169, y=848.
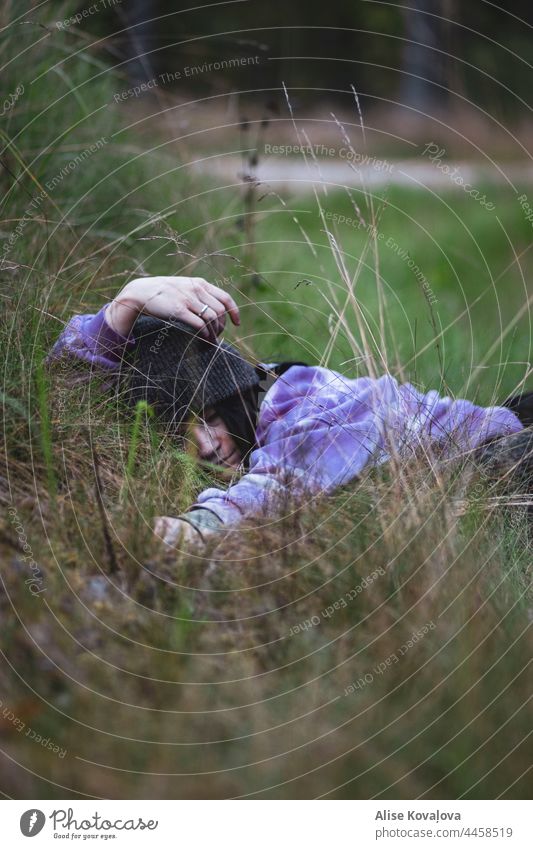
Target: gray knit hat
x=178, y=372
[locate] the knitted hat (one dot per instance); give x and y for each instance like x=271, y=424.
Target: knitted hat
x=178, y=372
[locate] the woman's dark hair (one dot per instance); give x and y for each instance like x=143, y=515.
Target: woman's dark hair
x=522, y=406
x=239, y=414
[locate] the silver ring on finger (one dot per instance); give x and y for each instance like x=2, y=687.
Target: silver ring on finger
x=203, y=310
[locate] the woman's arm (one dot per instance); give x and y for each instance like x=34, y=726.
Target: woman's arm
x=91, y=338
x=318, y=430
x=102, y=339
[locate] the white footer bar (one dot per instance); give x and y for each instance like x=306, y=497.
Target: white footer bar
x=267, y=824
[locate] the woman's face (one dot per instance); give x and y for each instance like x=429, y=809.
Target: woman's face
x=214, y=443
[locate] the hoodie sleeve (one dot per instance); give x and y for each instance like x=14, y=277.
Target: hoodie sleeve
x=318, y=430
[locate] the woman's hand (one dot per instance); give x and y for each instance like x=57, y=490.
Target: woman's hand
x=189, y=299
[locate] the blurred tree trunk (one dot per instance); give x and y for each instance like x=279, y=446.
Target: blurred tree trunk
x=137, y=15
x=425, y=68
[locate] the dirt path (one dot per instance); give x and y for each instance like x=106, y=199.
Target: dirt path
x=297, y=175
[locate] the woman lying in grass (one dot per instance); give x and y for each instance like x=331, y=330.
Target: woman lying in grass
x=312, y=431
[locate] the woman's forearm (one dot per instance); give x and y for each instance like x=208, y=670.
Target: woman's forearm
x=91, y=338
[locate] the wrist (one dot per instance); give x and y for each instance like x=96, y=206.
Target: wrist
x=202, y=520
x=122, y=313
